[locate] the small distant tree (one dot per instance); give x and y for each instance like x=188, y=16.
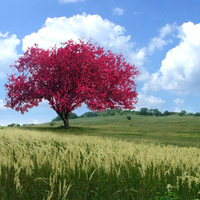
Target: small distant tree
x=150, y=112
x=52, y=123
x=166, y=113
x=173, y=113
x=182, y=113
x=144, y=111
x=68, y=76
x=197, y=114
x=128, y=117
x=156, y=112
x=90, y=114
x=190, y=114
x=11, y=125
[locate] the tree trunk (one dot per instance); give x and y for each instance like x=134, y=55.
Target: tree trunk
x=66, y=122
x=65, y=118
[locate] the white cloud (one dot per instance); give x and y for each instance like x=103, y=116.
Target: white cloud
x=179, y=101
x=8, y=52
x=104, y=32
x=35, y=121
x=160, y=41
x=180, y=70
x=167, y=29
x=70, y=1
x=148, y=101
x=155, y=43
x=118, y=11
x=2, y=105
x=61, y=29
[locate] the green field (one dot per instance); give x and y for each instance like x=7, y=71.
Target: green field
x=145, y=158
x=175, y=130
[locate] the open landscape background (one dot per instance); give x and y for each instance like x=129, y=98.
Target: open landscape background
x=150, y=153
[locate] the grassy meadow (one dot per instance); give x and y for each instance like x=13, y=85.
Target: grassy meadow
x=147, y=158
x=173, y=130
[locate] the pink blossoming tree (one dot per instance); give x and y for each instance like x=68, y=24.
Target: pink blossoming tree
x=68, y=76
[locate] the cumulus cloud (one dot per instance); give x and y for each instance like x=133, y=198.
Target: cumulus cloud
x=160, y=41
x=155, y=43
x=118, y=11
x=104, y=32
x=180, y=70
x=61, y=29
x=179, y=101
x=69, y=1
x=8, y=53
x=148, y=101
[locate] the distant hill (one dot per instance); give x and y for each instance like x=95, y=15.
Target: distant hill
x=72, y=116
x=108, y=112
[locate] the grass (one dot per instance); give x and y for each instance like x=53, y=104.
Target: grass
x=102, y=158
x=52, y=166
x=176, y=130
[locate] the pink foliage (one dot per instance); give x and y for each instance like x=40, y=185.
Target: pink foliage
x=70, y=75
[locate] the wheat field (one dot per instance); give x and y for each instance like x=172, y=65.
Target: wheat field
x=43, y=165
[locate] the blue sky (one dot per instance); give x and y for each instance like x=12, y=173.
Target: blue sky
x=162, y=38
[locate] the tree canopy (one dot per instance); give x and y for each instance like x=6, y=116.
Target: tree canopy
x=70, y=75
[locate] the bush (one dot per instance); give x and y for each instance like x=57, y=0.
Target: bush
x=11, y=125
x=128, y=117
x=52, y=123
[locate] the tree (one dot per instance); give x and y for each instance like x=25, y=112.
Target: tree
x=128, y=117
x=52, y=123
x=197, y=114
x=166, y=113
x=68, y=76
x=144, y=111
x=151, y=112
x=90, y=114
x=156, y=112
x=182, y=113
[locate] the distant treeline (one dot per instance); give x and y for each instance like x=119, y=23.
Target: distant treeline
x=156, y=112
x=143, y=111
x=108, y=112
x=18, y=125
